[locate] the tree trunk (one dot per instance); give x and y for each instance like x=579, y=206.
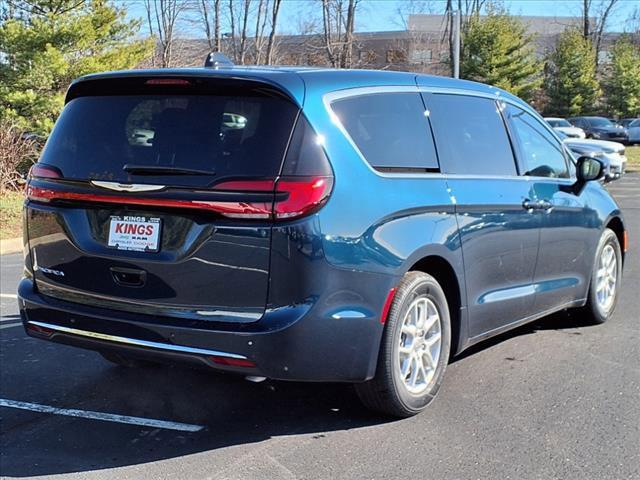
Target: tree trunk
x=272, y=33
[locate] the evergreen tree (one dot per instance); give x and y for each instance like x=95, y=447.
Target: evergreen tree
x=497, y=50
x=622, y=83
x=47, y=43
x=571, y=83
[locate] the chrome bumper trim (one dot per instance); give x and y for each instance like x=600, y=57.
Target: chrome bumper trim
x=136, y=342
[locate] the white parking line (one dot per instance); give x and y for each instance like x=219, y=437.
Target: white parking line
x=9, y=325
x=106, y=417
x=8, y=295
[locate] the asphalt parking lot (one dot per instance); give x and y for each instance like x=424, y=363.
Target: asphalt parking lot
x=554, y=399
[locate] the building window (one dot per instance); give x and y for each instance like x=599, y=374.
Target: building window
x=421, y=55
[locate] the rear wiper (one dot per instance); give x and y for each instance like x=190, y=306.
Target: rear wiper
x=163, y=170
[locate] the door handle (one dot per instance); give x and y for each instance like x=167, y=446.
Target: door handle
x=545, y=205
x=128, y=277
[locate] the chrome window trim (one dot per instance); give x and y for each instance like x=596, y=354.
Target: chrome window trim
x=330, y=97
x=136, y=342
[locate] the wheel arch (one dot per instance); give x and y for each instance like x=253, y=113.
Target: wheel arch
x=442, y=270
x=616, y=223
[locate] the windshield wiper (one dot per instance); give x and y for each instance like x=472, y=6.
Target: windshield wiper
x=163, y=170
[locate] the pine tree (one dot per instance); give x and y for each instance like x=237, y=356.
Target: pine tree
x=622, y=84
x=497, y=50
x=48, y=43
x=571, y=84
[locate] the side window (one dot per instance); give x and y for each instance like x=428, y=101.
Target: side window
x=470, y=135
x=541, y=153
x=390, y=129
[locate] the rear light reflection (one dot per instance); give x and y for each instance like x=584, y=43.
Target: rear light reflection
x=39, y=170
x=233, y=362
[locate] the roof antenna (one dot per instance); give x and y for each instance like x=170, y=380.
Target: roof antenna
x=217, y=60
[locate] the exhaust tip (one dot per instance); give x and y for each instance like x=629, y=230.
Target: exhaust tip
x=254, y=379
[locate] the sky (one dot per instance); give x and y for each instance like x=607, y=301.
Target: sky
x=382, y=15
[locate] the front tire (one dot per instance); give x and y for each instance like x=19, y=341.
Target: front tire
x=606, y=279
x=414, y=351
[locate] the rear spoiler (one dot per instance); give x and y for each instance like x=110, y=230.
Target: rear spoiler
x=203, y=81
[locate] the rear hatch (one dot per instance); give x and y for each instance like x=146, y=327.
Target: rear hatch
x=157, y=195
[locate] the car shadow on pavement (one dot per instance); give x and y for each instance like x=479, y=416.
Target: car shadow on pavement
x=572, y=320
x=232, y=410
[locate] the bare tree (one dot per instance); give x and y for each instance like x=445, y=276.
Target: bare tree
x=210, y=17
x=338, y=21
x=163, y=16
x=467, y=9
x=275, y=9
x=599, y=11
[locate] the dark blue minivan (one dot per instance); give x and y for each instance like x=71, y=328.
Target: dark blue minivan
x=309, y=225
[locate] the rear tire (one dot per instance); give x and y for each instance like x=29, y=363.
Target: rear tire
x=606, y=279
x=414, y=351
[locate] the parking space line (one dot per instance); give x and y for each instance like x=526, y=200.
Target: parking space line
x=9, y=325
x=8, y=295
x=105, y=417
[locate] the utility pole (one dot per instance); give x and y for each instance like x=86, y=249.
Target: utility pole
x=456, y=44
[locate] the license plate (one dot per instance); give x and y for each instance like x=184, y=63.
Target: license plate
x=135, y=233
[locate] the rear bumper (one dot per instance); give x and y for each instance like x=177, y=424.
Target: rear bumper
x=299, y=342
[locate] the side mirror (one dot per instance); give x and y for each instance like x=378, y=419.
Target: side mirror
x=589, y=169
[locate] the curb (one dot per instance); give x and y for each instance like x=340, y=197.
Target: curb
x=10, y=245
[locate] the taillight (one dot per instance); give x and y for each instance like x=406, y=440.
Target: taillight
x=305, y=195
x=302, y=196
x=40, y=170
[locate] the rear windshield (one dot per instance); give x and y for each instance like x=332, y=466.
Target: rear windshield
x=114, y=138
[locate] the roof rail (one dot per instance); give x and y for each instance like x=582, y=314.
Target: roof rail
x=217, y=60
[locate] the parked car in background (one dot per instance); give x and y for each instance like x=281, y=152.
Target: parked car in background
x=362, y=226
x=562, y=125
x=600, y=128
x=625, y=122
x=612, y=154
x=634, y=132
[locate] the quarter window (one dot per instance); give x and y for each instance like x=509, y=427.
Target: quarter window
x=541, y=154
x=470, y=135
x=391, y=130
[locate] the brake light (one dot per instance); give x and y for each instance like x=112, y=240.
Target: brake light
x=167, y=81
x=305, y=196
x=40, y=170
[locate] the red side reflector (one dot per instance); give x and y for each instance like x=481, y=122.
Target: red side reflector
x=233, y=362
x=40, y=170
x=167, y=81
x=40, y=330
x=387, y=305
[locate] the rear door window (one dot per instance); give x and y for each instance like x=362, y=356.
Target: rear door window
x=470, y=135
x=541, y=154
x=391, y=130
x=220, y=136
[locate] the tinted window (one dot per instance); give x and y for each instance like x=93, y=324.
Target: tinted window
x=541, y=153
x=231, y=136
x=391, y=130
x=471, y=136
